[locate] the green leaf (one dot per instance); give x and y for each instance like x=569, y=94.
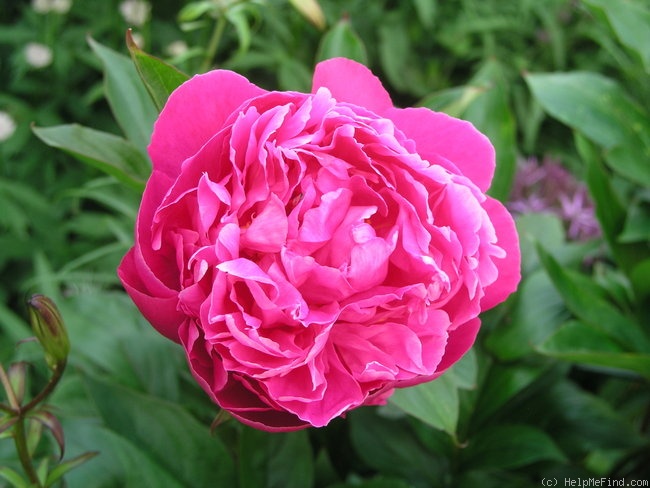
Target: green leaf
x=20, y=202
x=426, y=10
x=637, y=224
x=342, y=41
x=13, y=477
x=490, y=478
x=377, y=482
x=13, y=327
x=61, y=469
x=237, y=15
x=194, y=10
x=107, y=152
x=290, y=461
x=609, y=209
x=390, y=447
x=396, y=53
x=128, y=98
x=545, y=228
x=293, y=75
x=584, y=422
x=581, y=296
x=52, y=423
x=581, y=343
x=120, y=462
x=452, y=101
x=464, y=372
x=501, y=384
x=630, y=20
x=639, y=278
x=616, y=221
x=491, y=114
x=509, y=447
x=598, y=108
x=275, y=461
x=159, y=77
x=537, y=312
x=173, y=439
x=121, y=343
x=435, y=403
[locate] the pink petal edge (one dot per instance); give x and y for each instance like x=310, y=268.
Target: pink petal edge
x=352, y=82
x=510, y=266
x=456, y=140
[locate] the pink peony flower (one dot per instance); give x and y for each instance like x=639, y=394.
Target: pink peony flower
x=312, y=252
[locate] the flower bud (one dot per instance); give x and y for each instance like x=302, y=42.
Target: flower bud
x=49, y=329
x=311, y=10
x=17, y=376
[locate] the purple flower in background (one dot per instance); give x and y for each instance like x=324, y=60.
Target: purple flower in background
x=550, y=187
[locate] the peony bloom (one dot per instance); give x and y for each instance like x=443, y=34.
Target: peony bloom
x=312, y=252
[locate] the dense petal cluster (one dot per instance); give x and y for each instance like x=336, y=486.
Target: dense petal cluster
x=311, y=252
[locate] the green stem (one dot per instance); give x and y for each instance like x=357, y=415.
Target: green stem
x=23, y=452
x=45, y=392
x=20, y=438
x=211, y=52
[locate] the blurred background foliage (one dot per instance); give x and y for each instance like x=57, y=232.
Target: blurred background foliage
x=557, y=385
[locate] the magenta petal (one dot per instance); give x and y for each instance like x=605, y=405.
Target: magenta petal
x=369, y=263
x=194, y=113
x=246, y=269
x=160, y=311
x=320, y=222
x=456, y=140
x=247, y=407
x=509, y=266
x=458, y=343
x=339, y=393
x=349, y=81
x=268, y=230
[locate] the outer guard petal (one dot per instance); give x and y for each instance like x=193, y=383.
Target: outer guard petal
x=196, y=111
x=456, y=140
x=510, y=266
x=351, y=82
x=160, y=311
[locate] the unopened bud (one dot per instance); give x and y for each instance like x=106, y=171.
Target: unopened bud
x=49, y=329
x=17, y=376
x=311, y=10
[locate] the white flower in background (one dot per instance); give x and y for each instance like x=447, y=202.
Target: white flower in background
x=38, y=55
x=61, y=6
x=46, y=6
x=7, y=126
x=41, y=6
x=135, y=12
x=176, y=48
